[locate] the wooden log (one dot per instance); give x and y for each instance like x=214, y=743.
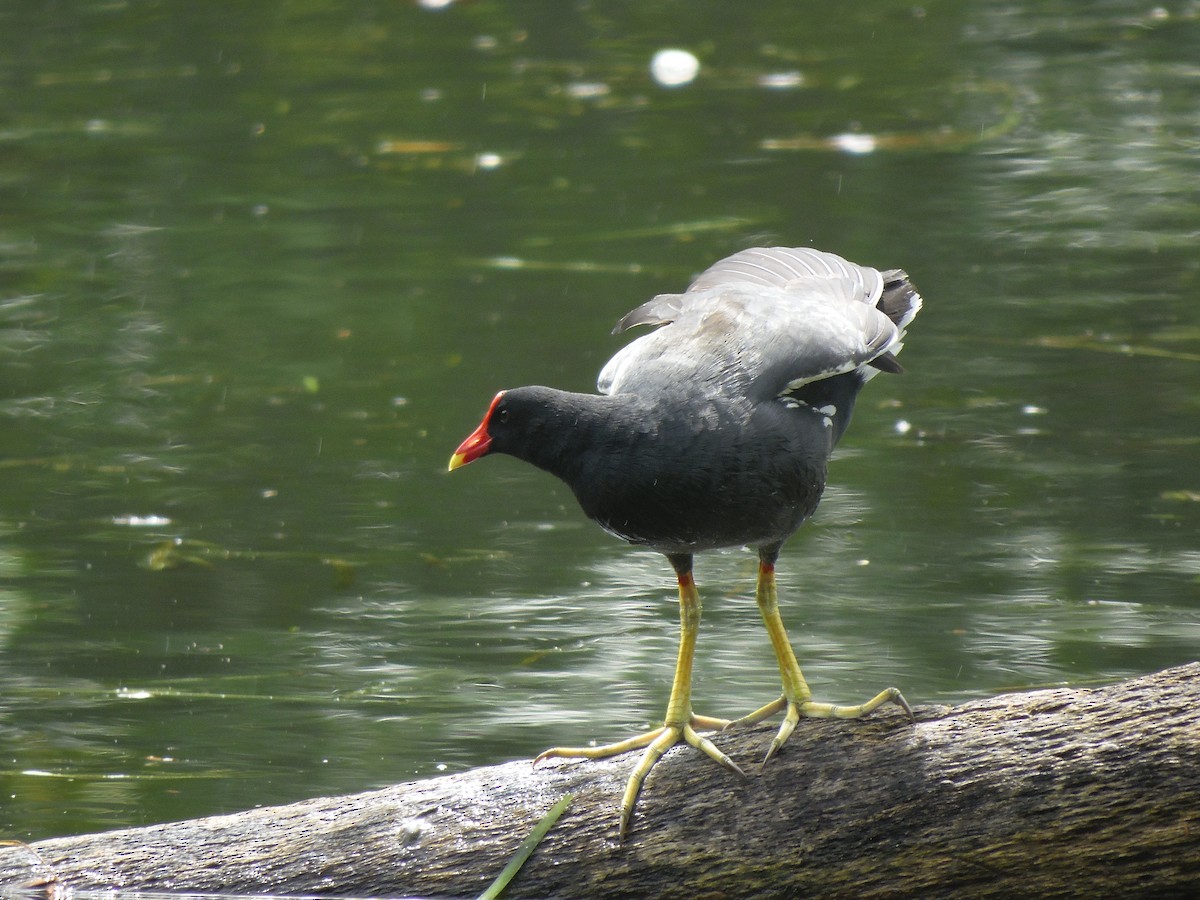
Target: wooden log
x=1065, y=792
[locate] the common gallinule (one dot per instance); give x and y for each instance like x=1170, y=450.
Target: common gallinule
x=715, y=431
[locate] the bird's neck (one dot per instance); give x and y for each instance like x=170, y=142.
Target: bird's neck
x=572, y=428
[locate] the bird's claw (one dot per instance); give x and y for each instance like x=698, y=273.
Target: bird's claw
x=656, y=743
x=805, y=708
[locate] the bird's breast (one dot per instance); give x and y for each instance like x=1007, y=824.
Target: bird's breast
x=714, y=480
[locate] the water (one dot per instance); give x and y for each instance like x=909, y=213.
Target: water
x=262, y=266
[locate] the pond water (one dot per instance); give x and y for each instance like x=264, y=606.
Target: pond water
x=262, y=266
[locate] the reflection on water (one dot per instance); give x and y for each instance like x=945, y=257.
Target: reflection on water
x=260, y=272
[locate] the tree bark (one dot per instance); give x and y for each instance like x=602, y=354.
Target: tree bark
x=1066, y=792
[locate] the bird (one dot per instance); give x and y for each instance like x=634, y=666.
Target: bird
x=715, y=430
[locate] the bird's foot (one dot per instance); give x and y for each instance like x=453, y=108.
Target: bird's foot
x=796, y=708
x=656, y=743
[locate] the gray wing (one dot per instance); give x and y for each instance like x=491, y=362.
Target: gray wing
x=792, y=268
x=785, y=266
x=763, y=321
x=758, y=341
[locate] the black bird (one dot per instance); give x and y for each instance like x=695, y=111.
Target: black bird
x=715, y=430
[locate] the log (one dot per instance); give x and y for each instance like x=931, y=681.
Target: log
x=1064, y=792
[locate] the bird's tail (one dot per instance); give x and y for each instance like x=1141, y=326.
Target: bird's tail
x=900, y=302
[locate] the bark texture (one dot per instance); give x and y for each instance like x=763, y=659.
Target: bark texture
x=1067, y=792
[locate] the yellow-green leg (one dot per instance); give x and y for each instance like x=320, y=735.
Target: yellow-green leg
x=680, y=724
x=796, y=698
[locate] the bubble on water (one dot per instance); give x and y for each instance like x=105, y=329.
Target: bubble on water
x=672, y=67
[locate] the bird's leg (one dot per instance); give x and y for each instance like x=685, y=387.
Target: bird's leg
x=680, y=724
x=797, y=697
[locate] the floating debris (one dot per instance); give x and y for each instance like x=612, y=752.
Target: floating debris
x=855, y=143
x=780, y=81
x=141, y=521
x=417, y=147
x=587, y=90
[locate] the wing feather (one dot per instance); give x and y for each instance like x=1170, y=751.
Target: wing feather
x=765, y=321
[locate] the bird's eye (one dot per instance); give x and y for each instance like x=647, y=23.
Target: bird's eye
x=502, y=415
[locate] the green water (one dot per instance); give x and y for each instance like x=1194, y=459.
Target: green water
x=263, y=265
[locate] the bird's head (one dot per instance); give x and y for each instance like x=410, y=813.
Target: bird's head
x=539, y=425
x=479, y=442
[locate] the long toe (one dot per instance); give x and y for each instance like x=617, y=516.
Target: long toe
x=637, y=742
x=664, y=739
x=811, y=709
